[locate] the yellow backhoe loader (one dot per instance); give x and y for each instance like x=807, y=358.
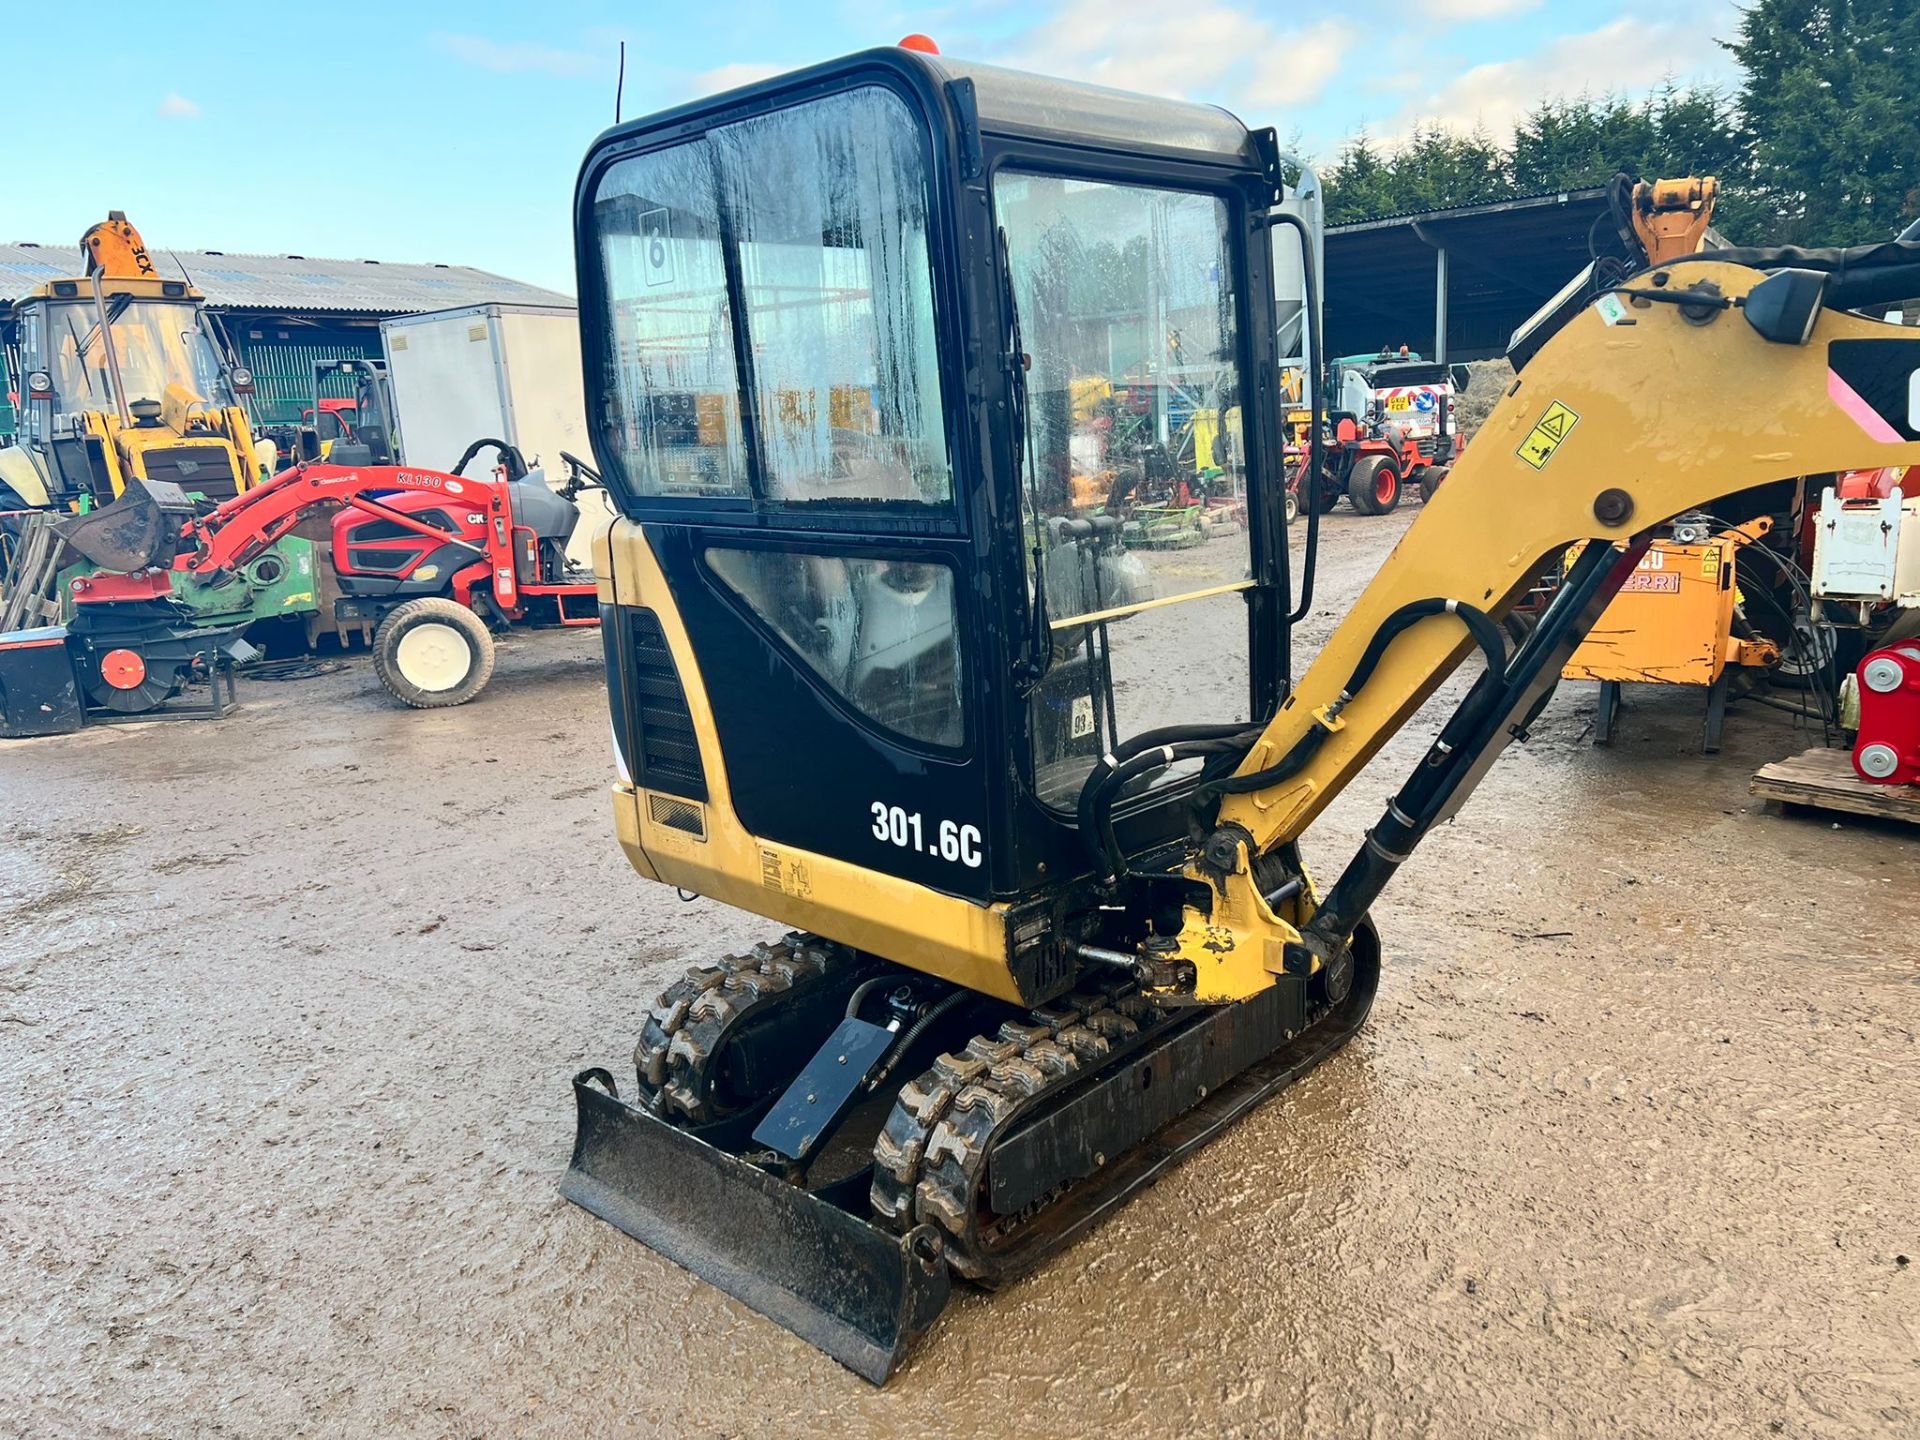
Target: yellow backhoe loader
x=121, y=374
x=1028, y=803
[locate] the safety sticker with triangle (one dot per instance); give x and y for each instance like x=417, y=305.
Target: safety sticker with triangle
x=1547, y=433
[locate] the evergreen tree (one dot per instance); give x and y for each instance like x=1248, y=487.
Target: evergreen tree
x=1358, y=186
x=1561, y=145
x=1436, y=170
x=1821, y=146
x=1831, y=101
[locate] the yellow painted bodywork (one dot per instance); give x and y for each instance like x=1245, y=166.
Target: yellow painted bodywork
x=910, y=924
x=124, y=448
x=1675, y=414
x=18, y=473
x=1671, y=216
x=1672, y=622
x=114, y=248
x=117, y=255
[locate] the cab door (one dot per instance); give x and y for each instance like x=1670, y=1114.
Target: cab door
x=1141, y=497
x=779, y=419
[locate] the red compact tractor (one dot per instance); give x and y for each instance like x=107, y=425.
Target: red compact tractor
x=1392, y=426
x=1373, y=464
x=433, y=563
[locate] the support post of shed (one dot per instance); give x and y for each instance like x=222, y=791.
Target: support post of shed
x=1440, y=304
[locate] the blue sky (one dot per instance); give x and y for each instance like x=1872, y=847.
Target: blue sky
x=404, y=131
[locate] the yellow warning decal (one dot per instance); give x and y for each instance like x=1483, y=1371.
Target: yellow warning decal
x=1710, y=563
x=1547, y=433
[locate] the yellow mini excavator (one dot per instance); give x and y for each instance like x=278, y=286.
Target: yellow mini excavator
x=121, y=375
x=1028, y=798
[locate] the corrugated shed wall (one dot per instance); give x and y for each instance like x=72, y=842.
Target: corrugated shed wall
x=282, y=360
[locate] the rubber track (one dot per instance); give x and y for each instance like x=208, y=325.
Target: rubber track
x=931, y=1155
x=684, y=1031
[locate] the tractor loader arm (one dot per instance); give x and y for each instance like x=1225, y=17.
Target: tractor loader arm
x=1638, y=410
x=240, y=528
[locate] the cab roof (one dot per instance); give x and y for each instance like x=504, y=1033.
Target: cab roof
x=1018, y=102
x=141, y=287
x=1012, y=103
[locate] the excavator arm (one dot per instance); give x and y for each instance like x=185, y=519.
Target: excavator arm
x=115, y=251
x=1639, y=409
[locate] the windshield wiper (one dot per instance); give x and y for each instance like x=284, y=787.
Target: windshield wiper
x=114, y=312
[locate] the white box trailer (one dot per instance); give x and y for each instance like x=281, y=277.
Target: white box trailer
x=505, y=372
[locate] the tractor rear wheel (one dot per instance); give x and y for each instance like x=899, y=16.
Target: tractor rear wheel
x=1374, y=486
x=1431, y=477
x=432, y=653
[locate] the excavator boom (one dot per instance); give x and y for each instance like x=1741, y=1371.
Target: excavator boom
x=1635, y=413
x=115, y=251
x=1648, y=404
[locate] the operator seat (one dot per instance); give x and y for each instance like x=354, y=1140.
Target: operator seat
x=375, y=440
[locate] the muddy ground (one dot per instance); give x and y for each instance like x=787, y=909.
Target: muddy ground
x=289, y=1003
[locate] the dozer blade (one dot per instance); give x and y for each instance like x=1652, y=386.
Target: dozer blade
x=860, y=1293
x=139, y=529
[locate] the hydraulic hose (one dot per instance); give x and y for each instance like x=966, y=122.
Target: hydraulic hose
x=1508, y=696
x=1097, y=784
x=1229, y=743
x=1487, y=634
x=1097, y=801
x=898, y=1050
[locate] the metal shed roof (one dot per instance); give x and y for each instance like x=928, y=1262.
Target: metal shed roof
x=1505, y=258
x=295, y=283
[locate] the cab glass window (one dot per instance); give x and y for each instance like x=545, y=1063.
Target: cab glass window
x=1135, y=495
x=880, y=633
x=819, y=212
x=829, y=203
x=155, y=343
x=672, y=395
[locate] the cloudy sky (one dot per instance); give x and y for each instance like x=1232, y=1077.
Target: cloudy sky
x=426, y=131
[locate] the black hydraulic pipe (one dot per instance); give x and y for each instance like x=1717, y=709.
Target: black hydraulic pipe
x=1112, y=772
x=1500, y=705
x=1097, y=804
x=1485, y=633
x=1097, y=789
x=1285, y=892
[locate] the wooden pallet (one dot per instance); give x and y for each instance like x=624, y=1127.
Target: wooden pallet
x=1824, y=780
x=26, y=586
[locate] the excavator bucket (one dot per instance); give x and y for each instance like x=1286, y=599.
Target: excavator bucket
x=139, y=529
x=839, y=1282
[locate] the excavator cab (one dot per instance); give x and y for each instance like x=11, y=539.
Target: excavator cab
x=885, y=370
